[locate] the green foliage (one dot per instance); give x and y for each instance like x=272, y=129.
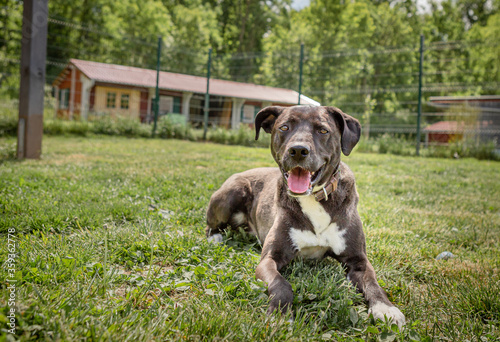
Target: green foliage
x=387, y=144
x=354, y=50
x=132, y=128
x=244, y=136
x=406, y=146
x=8, y=122
x=174, y=126
x=395, y=145
x=7, y=151
x=62, y=127
x=104, y=124
x=467, y=148
x=129, y=127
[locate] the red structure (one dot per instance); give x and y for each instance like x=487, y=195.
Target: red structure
x=443, y=132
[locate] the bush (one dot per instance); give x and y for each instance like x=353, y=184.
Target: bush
x=131, y=128
x=244, y=136
x=401, y=145
x=7, y=151
x=387, y=143
x=219, y=135
x=174, y=126
x=8, y=122
x=467, y=148
x=60, y=127
x=394, y=144
x=104, y=125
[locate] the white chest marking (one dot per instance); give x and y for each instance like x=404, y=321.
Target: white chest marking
x=326, y=233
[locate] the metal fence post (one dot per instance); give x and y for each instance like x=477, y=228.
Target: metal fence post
x=207, y=96
x=420, y=74
x=157, y=91
x=300, y=69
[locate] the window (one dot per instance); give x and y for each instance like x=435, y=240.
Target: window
x=111, y=100
x=64, y=98
x=248, y=113
x=124, y=101
x=256, y=111
x=177, y=105
x=166, y=104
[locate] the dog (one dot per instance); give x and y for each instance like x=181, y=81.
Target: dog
x=307, y=206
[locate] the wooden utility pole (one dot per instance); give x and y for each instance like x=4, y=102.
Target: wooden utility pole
x=31, y=93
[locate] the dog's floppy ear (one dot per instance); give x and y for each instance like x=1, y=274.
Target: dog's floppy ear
x=350, y=129
x=265, y=119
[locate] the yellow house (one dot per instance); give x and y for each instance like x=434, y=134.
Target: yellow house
x=85, y=87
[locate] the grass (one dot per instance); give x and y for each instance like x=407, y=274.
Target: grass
x=111, y=247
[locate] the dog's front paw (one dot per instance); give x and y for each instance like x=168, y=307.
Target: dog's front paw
x=216, y=238
x=381, y=311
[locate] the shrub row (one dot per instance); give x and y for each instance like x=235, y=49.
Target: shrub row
x=174, y=127
x=401, y=145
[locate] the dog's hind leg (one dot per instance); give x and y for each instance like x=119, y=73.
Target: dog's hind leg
x=217, y=219
x=227, y=208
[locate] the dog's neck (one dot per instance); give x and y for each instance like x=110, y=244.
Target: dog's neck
x=325, y=190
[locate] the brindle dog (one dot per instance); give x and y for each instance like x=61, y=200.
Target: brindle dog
x=307, y=206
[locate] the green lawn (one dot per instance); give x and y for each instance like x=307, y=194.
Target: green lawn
x=110, y=242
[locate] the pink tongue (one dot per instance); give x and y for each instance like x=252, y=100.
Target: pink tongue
x=298, y=180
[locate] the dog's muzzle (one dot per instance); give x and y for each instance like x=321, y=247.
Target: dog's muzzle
x=301, y=180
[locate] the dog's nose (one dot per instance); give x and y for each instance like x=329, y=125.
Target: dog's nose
x=298, y=152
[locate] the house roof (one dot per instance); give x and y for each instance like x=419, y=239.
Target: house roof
x=446, y=127
x=452, y=99
x=132, y=76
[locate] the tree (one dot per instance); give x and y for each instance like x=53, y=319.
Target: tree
x=11, y=16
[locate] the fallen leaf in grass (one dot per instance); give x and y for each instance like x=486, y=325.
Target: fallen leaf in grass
x=445, y=256
x=165, y=213
x=414, y=336
x=353, y=316
x=387, y=337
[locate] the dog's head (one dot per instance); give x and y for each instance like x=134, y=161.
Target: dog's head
x=307, y=142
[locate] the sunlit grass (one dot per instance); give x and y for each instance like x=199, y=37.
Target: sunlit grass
x=111, y=246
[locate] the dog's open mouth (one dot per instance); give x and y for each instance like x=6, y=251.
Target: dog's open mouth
x=301, y=181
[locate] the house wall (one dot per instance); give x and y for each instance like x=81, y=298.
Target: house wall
x=92, y=99
x=101, y=99
x=444, y=138
x=66, y=84
x=144, y=105
x=140, y=101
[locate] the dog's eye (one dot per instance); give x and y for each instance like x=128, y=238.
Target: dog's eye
x=323, y=131
x=284, y=128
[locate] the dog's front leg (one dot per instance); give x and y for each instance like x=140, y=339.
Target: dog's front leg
x=361, y=273
x=276, y=253
x=279, y=289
